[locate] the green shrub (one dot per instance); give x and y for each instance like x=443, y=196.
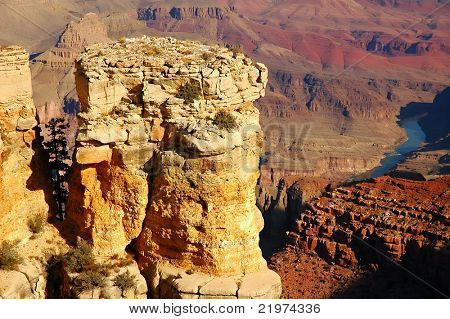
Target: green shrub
x=225, y=120
x=36, y=223
x=125, y=281
x=9, y=256
x=189, y=92
x=79, y=258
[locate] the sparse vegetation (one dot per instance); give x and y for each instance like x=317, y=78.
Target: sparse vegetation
x=225, y=120
x=80, y=258
x=9, y=256
x=90, y=280
x=122, y=39
x=189, y=92
x=124, y=262
x=125, y=281
x=36, y=223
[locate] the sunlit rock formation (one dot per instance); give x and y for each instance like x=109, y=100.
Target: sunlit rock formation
x=157, y=165
x=17, y=120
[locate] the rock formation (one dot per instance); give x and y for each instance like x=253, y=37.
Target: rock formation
x=342, y=243
x=209, y=9
x=53, y=70
x=307, y=88
x=77, y=35
x=157, y=165
x=432, y=158
x=318, y=120
x=401, y=218
x=17, y=120
x=22, y=182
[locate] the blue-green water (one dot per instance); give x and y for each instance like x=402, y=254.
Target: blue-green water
x=416, y=137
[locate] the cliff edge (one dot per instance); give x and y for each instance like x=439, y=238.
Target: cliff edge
x=167, y=162
x=17, y=120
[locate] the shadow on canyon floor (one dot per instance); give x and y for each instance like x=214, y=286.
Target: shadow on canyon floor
x=424, y=275
x=434, y=119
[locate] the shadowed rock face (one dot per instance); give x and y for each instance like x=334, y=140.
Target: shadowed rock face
x=349, y=242
x=17, y=120
x=154, y=164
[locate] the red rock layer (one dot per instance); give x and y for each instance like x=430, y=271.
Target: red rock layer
x=382, y=218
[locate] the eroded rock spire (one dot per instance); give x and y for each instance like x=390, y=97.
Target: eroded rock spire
x=167, y=156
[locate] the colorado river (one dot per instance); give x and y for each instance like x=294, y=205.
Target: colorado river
x=416, y=137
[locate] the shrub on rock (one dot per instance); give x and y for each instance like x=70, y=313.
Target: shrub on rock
x=36, y=223
x=125, y=281
x=90, y=280
x=225, y=120
x=79, y=258
x=9, y=256
x=189, y=92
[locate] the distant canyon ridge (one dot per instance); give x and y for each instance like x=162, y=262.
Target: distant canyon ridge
x=339, y=71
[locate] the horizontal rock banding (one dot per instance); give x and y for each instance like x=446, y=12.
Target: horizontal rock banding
x=18, y=190
x=397, y=217
x=166, y=172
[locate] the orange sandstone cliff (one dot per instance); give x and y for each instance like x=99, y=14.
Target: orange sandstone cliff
x=167, y=162
x=17, y=120
x=22, y=183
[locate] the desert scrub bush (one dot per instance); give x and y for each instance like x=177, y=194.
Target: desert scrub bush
x=125, y=281
x=36, y=223
x=79, y=258
x=122, y=40
x=225, y=120
x=9, y=256
x=189, y=92
x=90, y=280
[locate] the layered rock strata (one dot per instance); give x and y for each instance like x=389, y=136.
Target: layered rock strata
x=155, y=165
x=18, y=190
x=77, y=34
x=387, y=217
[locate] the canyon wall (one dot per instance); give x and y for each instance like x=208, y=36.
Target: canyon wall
x=167, y=160
x=22, y=184
x=53, y=70
x=18, y=186
x=378, y=220
x=78, y=34
x=365, y=241
x=330, y=109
